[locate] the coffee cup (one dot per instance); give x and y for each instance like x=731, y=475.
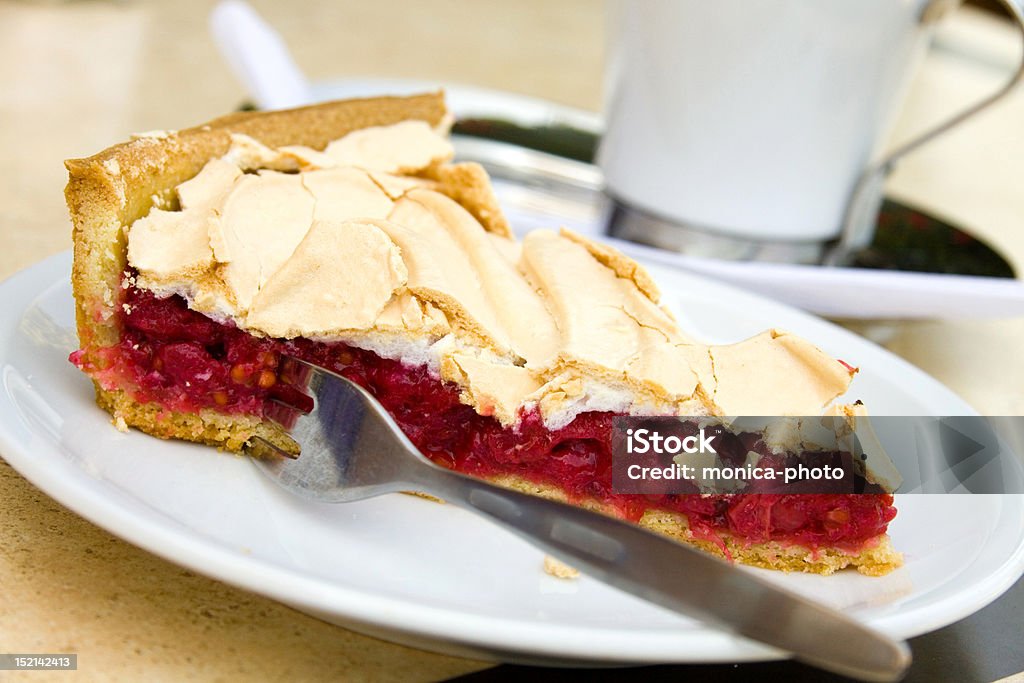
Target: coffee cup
x=753, y=129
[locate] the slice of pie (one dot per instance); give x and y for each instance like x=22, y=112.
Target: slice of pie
x=344, y=235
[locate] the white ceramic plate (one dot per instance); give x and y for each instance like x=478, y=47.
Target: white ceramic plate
x=429, y=575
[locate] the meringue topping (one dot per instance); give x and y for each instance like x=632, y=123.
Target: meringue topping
x=379, y=242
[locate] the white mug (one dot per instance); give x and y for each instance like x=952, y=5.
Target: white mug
x=754, y=119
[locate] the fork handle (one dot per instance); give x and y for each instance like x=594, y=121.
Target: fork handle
x=678, y=577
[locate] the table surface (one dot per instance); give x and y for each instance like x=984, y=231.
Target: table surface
x=78, y=76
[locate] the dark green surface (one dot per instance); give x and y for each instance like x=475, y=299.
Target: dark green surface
x=908, y=239
x=562, y=141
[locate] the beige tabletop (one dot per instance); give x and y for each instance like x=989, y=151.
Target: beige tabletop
x=77, y=76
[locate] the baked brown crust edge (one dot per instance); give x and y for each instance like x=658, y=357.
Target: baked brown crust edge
x=876, y=558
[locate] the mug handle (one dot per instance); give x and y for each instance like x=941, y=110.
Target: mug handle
x=865, y=201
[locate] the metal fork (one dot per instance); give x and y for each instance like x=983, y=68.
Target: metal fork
x=352, y=449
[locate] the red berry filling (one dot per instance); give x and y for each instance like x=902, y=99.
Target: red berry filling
x=184, y=361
